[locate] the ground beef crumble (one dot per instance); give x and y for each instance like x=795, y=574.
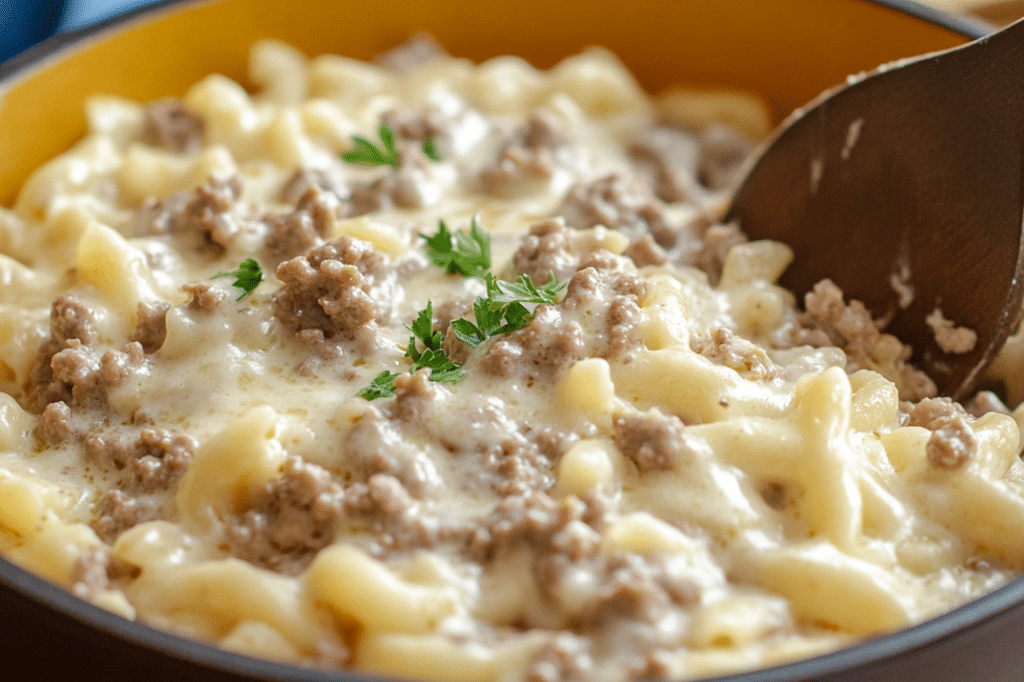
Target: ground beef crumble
x=724, y=348
x=151, y=328
x=651, y=440
x=168, y=123
x=531, y=155
x=715, y=244
x=553, y=339
x=332, y=288
x=97, y=570
x=621, y=203
x=71, y=323
x=952, y=442
x=206, y=216
x=546, y=251
x=723, y=151
x=668, y=158
x=292, y=518
x=307, y=226
x=829, y=321
x=152, y=461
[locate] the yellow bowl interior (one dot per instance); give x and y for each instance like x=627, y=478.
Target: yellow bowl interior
x=788, y=50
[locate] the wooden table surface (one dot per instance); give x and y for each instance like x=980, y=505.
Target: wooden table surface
x=998, y=12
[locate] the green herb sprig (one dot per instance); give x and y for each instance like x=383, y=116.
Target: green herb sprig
x=460, y=252
x=432, y=356
x=365, y=151
x=247, y=277
x=500, y=311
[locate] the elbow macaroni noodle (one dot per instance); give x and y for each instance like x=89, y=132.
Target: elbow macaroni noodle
x=793, y=513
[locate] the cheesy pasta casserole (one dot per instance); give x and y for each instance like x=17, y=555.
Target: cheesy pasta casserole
x=446, y=371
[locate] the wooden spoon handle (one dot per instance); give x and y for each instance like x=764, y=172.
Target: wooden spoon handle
x=913, y=176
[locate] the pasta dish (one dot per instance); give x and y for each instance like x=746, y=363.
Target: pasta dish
x=446, y=371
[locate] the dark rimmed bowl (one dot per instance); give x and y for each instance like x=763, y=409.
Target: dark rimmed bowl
x=788, y=50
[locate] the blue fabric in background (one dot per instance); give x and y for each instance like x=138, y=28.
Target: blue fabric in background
x=23, y=23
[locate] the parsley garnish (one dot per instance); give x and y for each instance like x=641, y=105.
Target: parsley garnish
x=430, y=149
x=502, y=310
x=247, y=277
x=382, y=386
x=433, y=356
x=466, y=253
x=365, y=151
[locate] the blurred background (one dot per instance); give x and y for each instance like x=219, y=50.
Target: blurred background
x=25, y=22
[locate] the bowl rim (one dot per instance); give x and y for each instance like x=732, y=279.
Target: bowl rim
x=967, y=26
x=138, y=634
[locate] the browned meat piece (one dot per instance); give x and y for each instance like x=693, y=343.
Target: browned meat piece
x=952, y=442
x=546, y=251
x=545, y=347
x=723, y=348
x=553, y=340
x=204, y=215
x=151, y=328
x=414, y=395
x=639, y=588
x=206, y=296
x=304, y=179
x=292, y=519
x=81, y=379
x=652, y=441
x=716, y=243
x=529, y=156
x=668, y=157
x=723, y=150
x=170, y=124
x=55, y=424
x=592, y=284
x=529, y=520
x=624, y=321
x=70, y=321
x=118, y=511
x=153, y=460
x=397, y=521
x=620, y=203
x=417, y=126
x=829, y=321
x=645, y=251
x=294, y=233
x=96, y=570
x=416, y=51
x=331, y=288
x=408, y=186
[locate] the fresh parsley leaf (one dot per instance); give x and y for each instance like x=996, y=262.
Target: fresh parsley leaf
x=468, y=333
x=433, y=357
x=503, y=310
x=465, y=253
x=423, y=329
x=430, y=149
x=366, y=151
x=382, y=386
x=523, y=290
x=247, y=277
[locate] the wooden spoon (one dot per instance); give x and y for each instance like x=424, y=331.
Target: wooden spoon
x=909, y=179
